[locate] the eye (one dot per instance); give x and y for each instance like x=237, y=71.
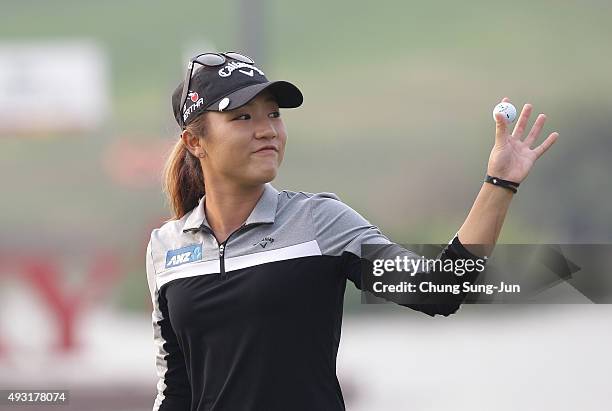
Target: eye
x=274, y=114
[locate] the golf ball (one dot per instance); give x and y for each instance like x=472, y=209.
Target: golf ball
x=507, y=109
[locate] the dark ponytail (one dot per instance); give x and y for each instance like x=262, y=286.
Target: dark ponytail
x=183, y=179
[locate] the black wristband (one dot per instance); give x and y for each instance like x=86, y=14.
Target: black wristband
x=496, y=181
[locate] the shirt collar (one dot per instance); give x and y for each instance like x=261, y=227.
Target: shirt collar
x=264, y=211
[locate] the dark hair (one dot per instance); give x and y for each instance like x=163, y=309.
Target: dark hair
x=183, y=179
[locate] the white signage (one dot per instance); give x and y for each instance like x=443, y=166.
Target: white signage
x=52, y=87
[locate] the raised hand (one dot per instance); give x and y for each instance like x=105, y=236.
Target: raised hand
x=512, y=156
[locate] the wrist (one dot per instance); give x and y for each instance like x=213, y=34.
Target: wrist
x=501, y=183
x=500, y=174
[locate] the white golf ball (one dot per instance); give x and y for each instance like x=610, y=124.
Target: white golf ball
x=507, y=109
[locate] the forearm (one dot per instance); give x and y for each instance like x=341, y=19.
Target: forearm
x=483, y=224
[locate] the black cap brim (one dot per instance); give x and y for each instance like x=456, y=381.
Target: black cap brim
x=287, y=95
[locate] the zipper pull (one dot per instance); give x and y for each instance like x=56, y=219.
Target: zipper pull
x=221, y=248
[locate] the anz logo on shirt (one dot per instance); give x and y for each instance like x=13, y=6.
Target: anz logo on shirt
x=187, y=254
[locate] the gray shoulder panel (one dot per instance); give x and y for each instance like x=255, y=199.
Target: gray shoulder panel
x=339, y=228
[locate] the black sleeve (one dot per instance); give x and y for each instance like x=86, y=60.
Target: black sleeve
x=430, y=303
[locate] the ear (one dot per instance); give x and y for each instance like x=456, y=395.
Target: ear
x=193, y=144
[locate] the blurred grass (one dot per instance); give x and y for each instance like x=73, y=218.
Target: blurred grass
x=401, y=93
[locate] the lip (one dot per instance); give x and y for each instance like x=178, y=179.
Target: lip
x=266, y=149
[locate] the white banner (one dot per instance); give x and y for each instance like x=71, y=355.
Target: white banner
x=52, y=87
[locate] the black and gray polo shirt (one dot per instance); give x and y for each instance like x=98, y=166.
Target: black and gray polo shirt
x=254, y=323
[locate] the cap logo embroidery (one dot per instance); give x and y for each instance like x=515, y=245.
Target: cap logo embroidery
x=193, y=96
x=192, y=108
x=224, y=103
x=231, y=66
x=248, y=73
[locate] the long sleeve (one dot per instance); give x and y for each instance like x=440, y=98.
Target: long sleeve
x=430, y=303
x=341, y=231
x=173, y=387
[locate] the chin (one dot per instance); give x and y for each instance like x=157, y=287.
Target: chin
x=269, y=175
x=263, y=175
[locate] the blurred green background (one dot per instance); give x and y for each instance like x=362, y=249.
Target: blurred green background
x=396, y=118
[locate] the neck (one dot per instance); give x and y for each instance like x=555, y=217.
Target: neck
x=227, y=206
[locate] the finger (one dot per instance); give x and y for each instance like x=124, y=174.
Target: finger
x=501, y=128
x=519, y=129
x=505, y=100
x=535, y=130
x=542, y=148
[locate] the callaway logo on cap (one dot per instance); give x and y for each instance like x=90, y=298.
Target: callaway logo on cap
x=223, y=82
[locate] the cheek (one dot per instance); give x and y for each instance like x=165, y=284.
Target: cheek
x=282, y=135
x=224, y=154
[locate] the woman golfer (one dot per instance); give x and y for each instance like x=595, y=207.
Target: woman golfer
x=248, y=282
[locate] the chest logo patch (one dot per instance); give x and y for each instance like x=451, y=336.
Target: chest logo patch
x=187, y=254
x=264, y=242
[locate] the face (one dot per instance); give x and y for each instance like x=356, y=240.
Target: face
x=244, y=146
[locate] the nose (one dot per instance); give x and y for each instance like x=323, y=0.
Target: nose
x=264, y=128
